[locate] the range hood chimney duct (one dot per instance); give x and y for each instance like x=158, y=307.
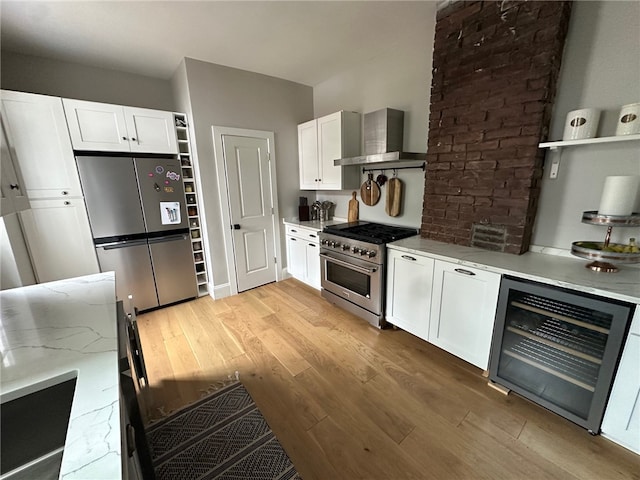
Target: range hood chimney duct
x=383, y=135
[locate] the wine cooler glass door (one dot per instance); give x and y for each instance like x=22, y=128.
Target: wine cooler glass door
x=558, y=348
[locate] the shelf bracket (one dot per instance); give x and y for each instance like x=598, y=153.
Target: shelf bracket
x=556, y=156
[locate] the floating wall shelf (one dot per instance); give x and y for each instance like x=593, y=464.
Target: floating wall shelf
x=559, y=145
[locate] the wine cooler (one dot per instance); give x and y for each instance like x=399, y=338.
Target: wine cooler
x=558, y=347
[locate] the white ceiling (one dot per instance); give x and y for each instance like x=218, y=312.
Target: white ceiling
x=303, y=41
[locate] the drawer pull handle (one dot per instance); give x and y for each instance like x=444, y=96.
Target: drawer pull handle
x=294, y=231
x=67, y=203
x=312, y=236
x=293, y=239
x=407, y=257
x=64, y=192
x=312, y=244
x=466, y=272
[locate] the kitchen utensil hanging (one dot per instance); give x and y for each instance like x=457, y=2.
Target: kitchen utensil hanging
x=393, y=206
x=370, y=191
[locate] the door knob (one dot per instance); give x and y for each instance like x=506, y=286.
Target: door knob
x=236, y=226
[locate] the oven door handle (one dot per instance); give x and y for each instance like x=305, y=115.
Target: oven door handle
x=348, y=265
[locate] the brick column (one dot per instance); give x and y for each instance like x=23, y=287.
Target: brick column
x=495, y=66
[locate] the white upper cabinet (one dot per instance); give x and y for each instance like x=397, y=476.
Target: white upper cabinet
x=115, y=128
x=324, y=140
x=13, y=197
x=308, y=155
x=38, y=141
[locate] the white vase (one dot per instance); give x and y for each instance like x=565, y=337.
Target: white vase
x=629, y=120
x=581, y=123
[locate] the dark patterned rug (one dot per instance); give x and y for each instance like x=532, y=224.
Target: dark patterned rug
x=222, y=436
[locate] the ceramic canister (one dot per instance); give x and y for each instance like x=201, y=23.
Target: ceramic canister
x=581, y=123
x=629, y=120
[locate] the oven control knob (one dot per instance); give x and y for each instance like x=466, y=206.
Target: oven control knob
x=363, y=252
x=324, y=241
x=354, y=249
x=345, y=246
x=371, y=253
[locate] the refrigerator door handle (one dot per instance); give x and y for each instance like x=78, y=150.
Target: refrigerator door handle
x=169, y=238
x=122, y=244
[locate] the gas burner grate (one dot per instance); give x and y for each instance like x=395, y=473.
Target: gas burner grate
x=376, y=233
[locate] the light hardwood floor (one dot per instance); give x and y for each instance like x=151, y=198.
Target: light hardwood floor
x=348, y=401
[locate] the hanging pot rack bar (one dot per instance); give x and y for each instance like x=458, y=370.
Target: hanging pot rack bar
x=421, y=167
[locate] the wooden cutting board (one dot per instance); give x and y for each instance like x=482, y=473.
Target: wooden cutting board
x=352, y=214
x=370, y=191
x=394, y=197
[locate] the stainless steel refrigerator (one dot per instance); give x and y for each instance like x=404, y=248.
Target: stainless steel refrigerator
x=139, y=223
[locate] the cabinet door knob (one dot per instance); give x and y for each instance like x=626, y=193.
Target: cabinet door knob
x=124, y=138
x=133, y=139
x=67, y=203
x=466, y=272
x=236, y=226
x=14, y=186
x=64, y=192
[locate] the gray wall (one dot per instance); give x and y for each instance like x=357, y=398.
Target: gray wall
x=228, y=97
x=398, y=77
x=601, y=69
x=32, y=74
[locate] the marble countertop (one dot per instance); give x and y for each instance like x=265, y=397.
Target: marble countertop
x=315, y=224
x=568, y=272
x=60, y=330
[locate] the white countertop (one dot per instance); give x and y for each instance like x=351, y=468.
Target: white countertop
x=550, y=269
x=68, y=328
x=315, y=224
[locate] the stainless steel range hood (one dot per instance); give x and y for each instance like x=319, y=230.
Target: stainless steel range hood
x=383, y=134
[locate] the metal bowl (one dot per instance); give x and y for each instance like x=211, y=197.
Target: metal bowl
x=593, y=251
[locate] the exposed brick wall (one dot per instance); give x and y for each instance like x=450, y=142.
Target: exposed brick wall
x=495, y=66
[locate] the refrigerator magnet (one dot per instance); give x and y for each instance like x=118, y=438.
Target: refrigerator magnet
x=170, y=213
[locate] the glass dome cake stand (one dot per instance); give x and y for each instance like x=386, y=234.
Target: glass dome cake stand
x=603, y=253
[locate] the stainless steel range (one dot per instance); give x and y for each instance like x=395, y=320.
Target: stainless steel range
x=352, y=264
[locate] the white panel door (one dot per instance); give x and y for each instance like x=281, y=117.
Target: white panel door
x=59, y=239
x=330, y=149
x=409, y=283
x=463, y=311
x=308, y=155
x=38, y=138
x=96, y=126
x=150, y=131
x=251, y=206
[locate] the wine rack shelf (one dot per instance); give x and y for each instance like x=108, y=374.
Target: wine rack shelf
x=192, y=201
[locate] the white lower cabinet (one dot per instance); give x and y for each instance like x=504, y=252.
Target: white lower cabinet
x=409, y=284
x=463, y=307
x=59, y=239
x=621, y=421
x=449, y=305
x=303, y=255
